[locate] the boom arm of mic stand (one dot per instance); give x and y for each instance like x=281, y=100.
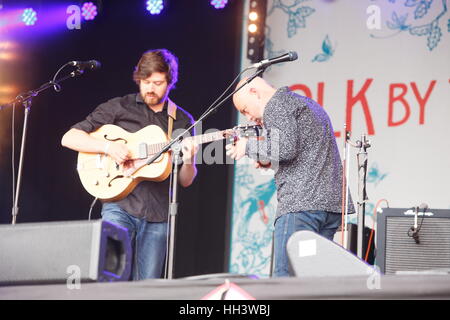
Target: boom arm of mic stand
x=21, y=98
x=26, y=99
x=211, y=109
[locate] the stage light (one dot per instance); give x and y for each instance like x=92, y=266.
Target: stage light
x=155, y=6
x=252, y=28
x=219, y=4
x=7, y=56
x=29, y=17
x=8, y=89
x=89, y=11
x=253, y=16
x=256, y=23
x=7, y=45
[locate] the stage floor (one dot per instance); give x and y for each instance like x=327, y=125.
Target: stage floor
x=385, y=287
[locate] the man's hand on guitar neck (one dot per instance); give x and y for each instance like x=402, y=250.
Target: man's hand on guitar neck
x=236, y=150
x=189, y=150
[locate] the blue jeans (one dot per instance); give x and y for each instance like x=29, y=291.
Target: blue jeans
x=149, y=241
x=322, y=222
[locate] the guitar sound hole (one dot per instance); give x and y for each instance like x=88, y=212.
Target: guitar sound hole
x=114, y=140
x=117, y=177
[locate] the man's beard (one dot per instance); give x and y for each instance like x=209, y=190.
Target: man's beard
x=152, y=99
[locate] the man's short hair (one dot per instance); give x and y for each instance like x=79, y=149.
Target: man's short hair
x=158, y=60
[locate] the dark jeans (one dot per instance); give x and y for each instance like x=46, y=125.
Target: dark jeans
x=322, y=222
x=149, y=239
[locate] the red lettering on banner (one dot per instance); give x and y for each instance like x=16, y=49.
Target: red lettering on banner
x=359, y=97
x=303, y=88
x=397, y=95
x=320, y=90
x=400, y=98
x=422, y=101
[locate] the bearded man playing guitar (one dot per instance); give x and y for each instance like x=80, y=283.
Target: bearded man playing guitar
x=144, y=209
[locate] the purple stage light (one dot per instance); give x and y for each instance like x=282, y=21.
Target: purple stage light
x=29, y=17
x=219, y=4
x=89, y=11
x=155, y=6
x=49, y=19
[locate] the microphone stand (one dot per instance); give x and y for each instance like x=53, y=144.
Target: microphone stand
x=362, y=173
x=26, y=100
x=173, y=205
x=345, y=191
x=363, y=145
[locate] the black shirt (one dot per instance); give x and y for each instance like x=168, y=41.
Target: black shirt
x=149, y=199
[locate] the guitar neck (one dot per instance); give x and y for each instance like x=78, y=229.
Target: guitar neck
x=204, y=138
x=208, y=137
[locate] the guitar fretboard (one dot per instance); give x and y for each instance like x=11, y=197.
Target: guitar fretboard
x=204, y=138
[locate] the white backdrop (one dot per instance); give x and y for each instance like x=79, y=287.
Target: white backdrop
x=380, y=67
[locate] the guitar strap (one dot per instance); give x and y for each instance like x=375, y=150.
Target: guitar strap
x=172, y=115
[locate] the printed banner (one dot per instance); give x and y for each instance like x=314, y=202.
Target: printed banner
x=382, y=68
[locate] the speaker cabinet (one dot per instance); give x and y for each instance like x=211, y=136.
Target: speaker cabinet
x=311, y=255
x=352, y=241
x=54, y=252
x=398, y=251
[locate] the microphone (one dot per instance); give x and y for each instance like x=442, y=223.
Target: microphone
x=290, y=56
x=90, y=65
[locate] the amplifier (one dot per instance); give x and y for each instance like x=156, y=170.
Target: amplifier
x=352, y=241
x=397, y=251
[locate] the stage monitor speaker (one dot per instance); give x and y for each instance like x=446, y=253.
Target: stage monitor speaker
x=311, y=255
x=55, y=252
x=397, y=251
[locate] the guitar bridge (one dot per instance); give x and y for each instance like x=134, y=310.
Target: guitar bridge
x=100, y=161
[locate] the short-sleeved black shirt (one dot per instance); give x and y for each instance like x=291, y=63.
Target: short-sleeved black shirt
x=149, y=199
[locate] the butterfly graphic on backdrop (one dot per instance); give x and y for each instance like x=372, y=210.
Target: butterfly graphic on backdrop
x=327, y=51
x=375, y=176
